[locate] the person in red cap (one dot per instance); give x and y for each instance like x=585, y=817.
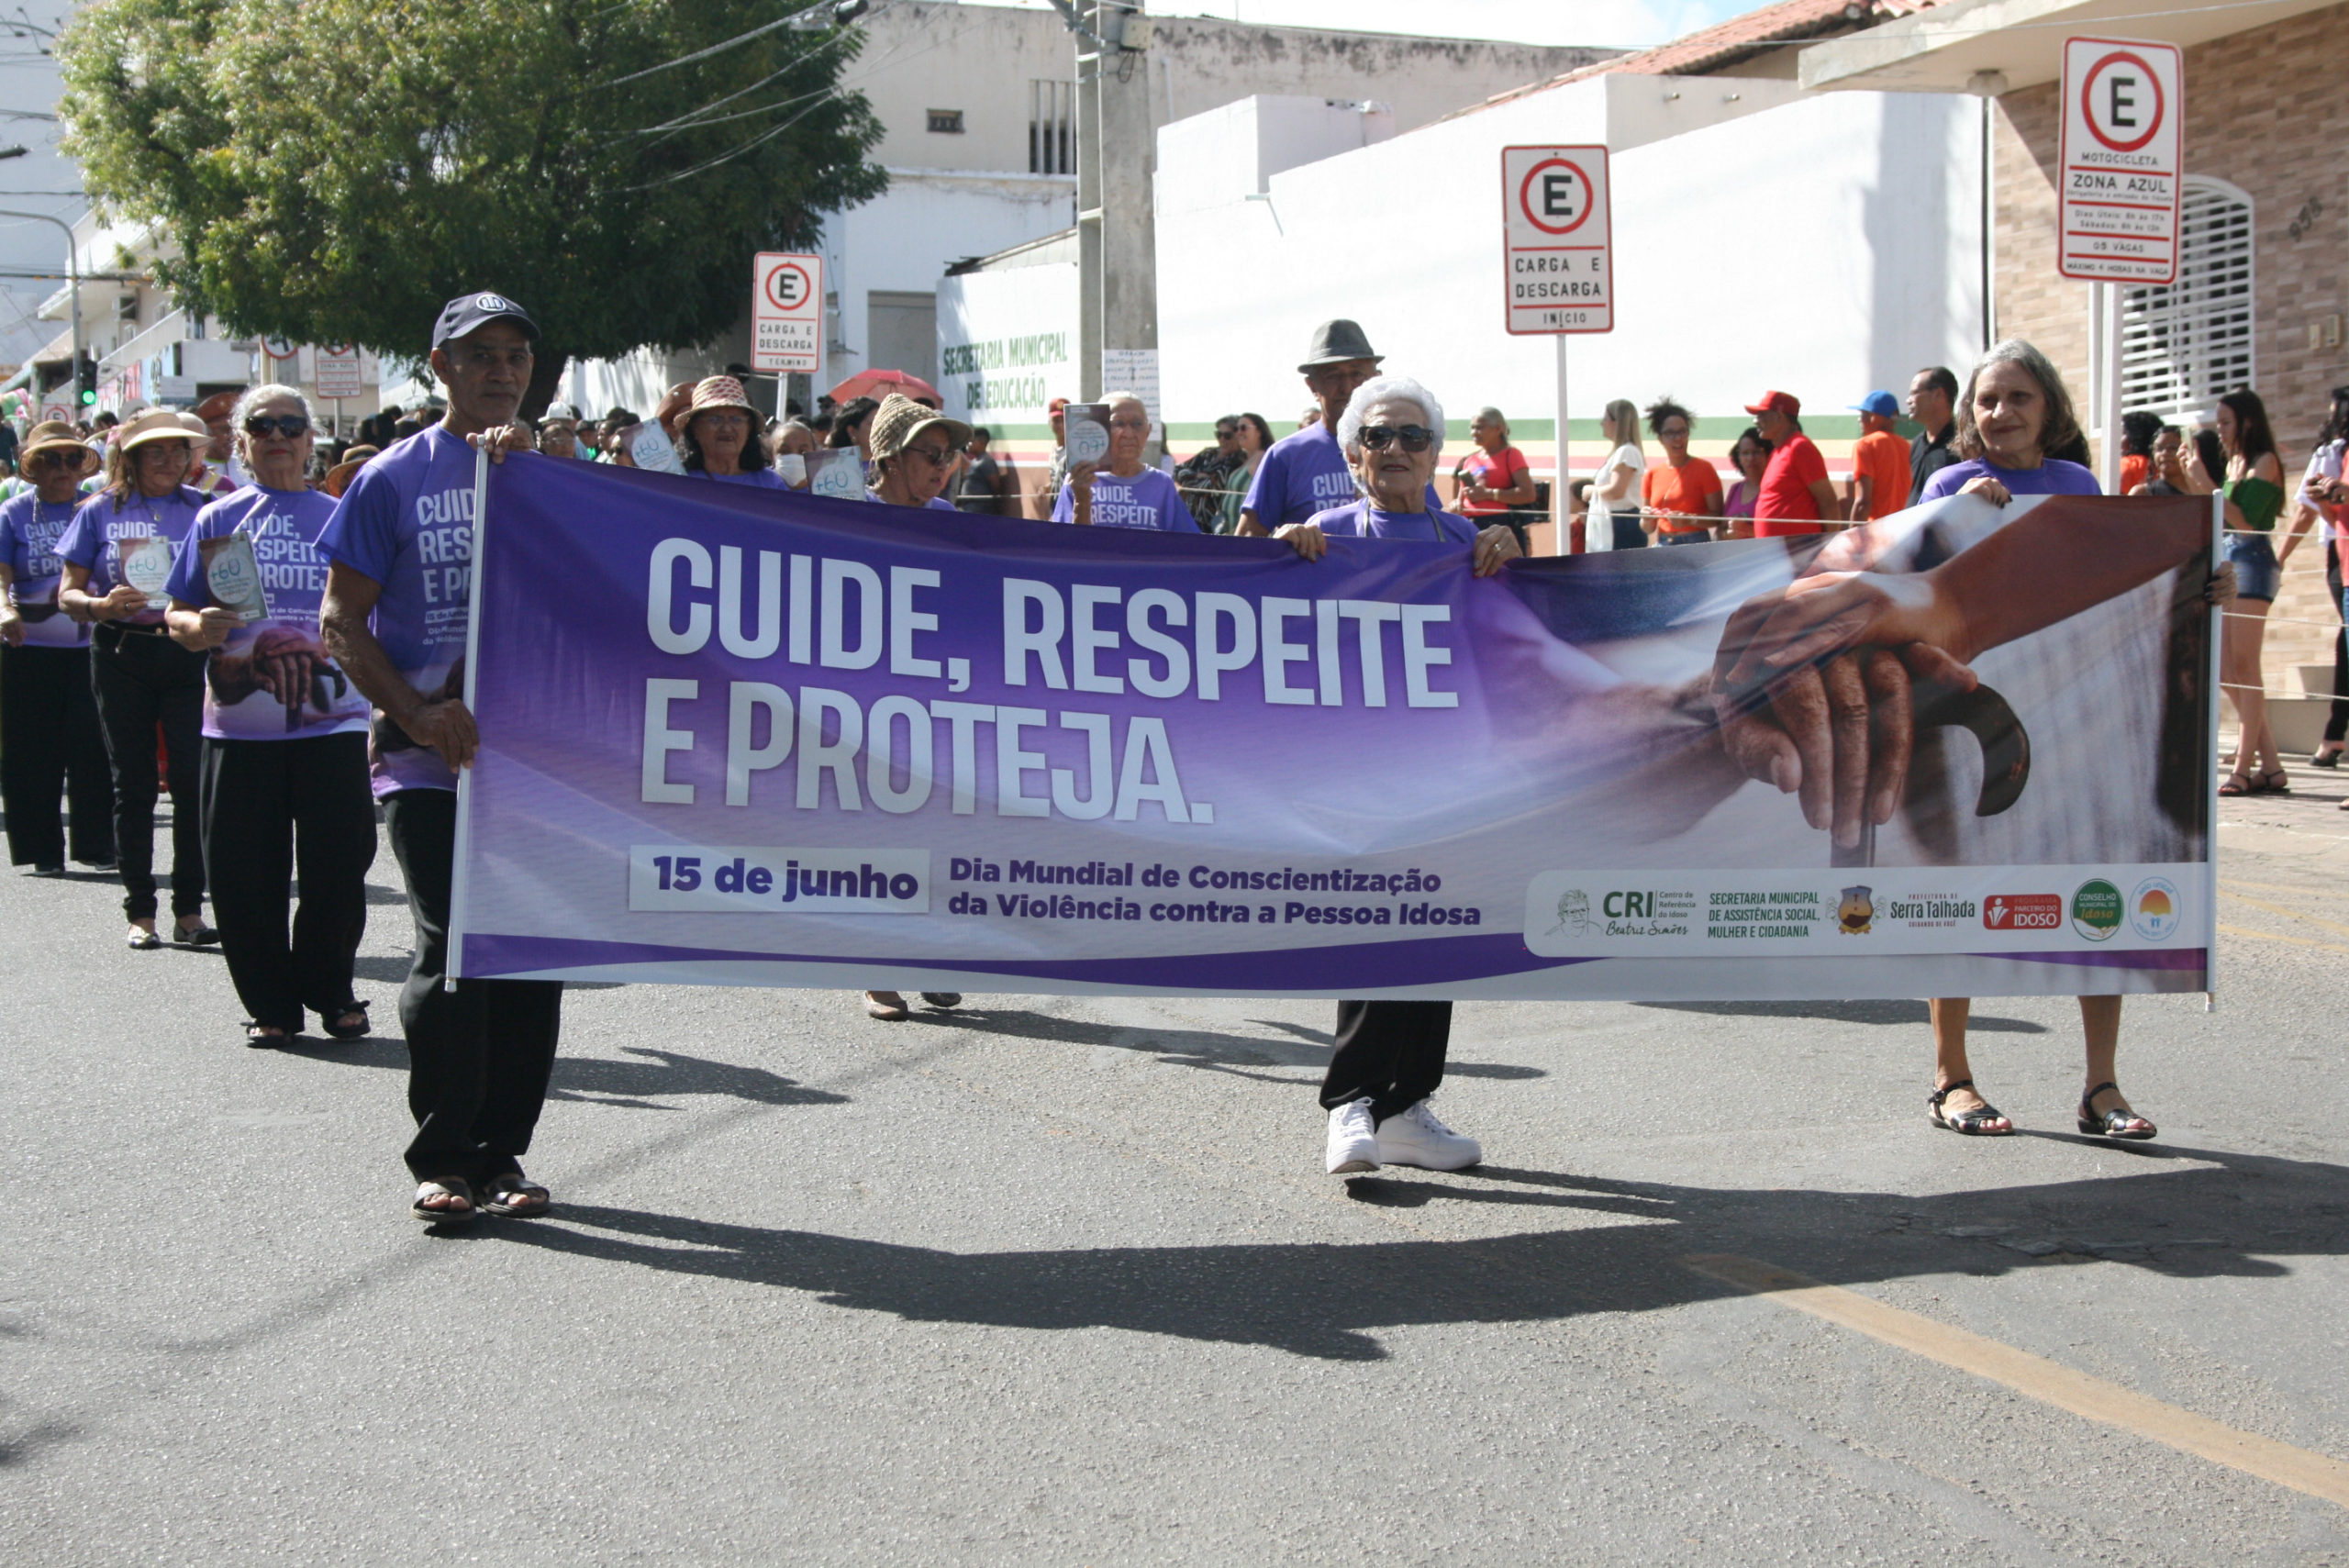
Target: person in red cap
x=1796, y=496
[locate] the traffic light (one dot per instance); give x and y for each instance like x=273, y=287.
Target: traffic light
x=89, y=396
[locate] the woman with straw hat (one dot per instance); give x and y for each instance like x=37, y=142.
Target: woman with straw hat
x=914, y=448
x=719, y=433
x=49, y=739
x=116, y=557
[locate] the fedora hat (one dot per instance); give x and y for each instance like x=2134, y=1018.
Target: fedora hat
x=899, y=419
x=55, y=435
x=159, y=425
x=1335, y=342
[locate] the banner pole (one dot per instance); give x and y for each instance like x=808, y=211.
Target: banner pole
x=1560, y=505
x=460, y=882
x=2211, y=759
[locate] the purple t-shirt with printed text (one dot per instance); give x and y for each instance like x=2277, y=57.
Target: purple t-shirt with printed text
x=1362, y=520
x=271, y=679
x=101, y=527
x=1148, y=500
x=31, y=532
x=407, y=523
x=2053, y=477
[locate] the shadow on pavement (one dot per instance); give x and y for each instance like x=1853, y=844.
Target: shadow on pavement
x=659, y=1074
x=2208, y=1213
x=1907, y=1012
x=1208, y=1049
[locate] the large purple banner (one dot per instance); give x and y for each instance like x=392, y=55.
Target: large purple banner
x=752, y=738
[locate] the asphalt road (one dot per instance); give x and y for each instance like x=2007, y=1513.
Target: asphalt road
x=1059, y=1281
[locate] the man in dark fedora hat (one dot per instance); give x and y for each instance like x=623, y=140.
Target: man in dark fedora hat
x=1306, y=473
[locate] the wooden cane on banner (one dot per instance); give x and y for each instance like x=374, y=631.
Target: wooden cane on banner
x=2006, y=753
x=461, y=882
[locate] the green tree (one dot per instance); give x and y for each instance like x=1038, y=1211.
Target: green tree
x=332, y=171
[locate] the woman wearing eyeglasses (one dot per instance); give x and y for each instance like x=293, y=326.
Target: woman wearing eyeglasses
x=718, y=431
x=1253, y=438
x=284, y=734
x=1683, y=493
x=117, y=558
x=1390, y=1055
x=914, y=448
x=49, y=740
x=1124, y=494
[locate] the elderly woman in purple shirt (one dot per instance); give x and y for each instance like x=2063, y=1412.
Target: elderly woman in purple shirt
x=1390, y=1055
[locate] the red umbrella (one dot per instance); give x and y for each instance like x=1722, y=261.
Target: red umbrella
x=880, y=383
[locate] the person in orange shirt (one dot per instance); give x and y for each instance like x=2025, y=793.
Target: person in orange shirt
x=1683, y=493
x=1879, y=462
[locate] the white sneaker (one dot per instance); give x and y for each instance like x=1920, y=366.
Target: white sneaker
x=1415, y=1137
x=1354, y=1140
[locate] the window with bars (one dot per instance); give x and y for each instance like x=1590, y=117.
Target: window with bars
x=1052, y=128
x=2184, y=344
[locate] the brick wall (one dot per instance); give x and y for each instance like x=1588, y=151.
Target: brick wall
x=2260, y=115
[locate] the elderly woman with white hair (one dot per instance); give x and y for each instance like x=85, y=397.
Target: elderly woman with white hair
x=284, y=733
x=1390, y=1055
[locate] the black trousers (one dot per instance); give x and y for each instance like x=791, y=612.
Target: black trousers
x=50, y=742
x=479, y=1054
x=268, y=805
x=142, y=680
x=2336, y=723
x=1393, y=1051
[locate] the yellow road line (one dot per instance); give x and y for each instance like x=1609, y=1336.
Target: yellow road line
x=2287, y=910
x=2051, y=1383
x=2280, y=937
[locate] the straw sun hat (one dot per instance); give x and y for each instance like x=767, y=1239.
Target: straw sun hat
x=899, y=419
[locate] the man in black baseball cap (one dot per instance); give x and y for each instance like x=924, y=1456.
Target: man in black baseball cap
x=468, y=312
x=399, y=548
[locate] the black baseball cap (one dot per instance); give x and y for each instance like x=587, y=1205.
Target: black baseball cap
x=470, y=312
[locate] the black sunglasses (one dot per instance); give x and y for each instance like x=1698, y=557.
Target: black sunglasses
x=1415, y=438
x=291, y=426
x=1225, y=433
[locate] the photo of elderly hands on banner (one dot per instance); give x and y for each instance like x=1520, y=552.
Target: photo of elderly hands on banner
x=760, y=738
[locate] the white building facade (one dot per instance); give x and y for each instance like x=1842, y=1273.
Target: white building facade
x=977, y=104
x=1762, y=239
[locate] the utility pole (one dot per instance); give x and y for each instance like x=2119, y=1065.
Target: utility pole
x=1116, y=231
x=74, y=289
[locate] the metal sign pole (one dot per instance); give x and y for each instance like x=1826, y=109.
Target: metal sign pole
x=1560, y=506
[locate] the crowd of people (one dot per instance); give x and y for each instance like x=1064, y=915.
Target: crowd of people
x=221, y=603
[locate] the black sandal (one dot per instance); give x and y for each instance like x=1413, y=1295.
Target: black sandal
x=1973, y=1124
x=2114, y=1123
x=259, y=1038
x=333, y=1022
x=514, y=1196
x=445, y=1186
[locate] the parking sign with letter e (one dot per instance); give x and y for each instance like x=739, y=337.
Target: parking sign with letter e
x=2123, y=103
x=1559, y=270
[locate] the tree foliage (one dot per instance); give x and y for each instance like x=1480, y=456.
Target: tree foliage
x=333, y=170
